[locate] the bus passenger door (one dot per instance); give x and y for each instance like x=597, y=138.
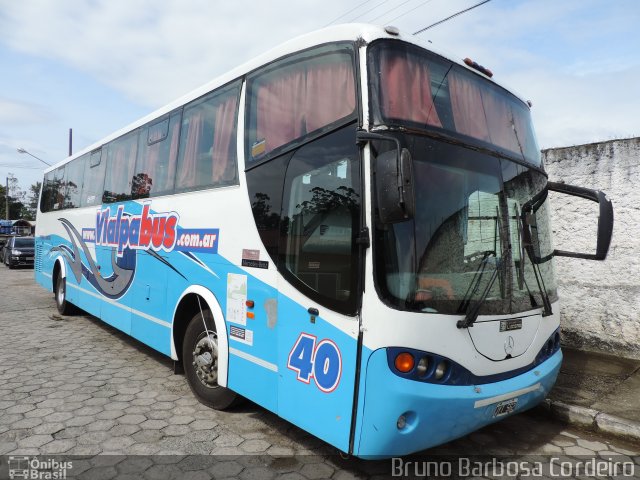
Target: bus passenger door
x=318, y=291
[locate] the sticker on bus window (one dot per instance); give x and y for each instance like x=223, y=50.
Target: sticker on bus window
x=258, y=148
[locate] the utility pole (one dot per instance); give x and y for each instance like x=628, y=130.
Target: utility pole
x=6, y=196
x=70, y=141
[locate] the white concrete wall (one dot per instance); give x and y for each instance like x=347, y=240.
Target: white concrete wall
x=600, y=307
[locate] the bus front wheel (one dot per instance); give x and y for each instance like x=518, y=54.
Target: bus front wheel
x=200, y=360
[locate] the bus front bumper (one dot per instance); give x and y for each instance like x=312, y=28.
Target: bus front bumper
x=403, y=416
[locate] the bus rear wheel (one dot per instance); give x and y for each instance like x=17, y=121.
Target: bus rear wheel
x=200, y=360
x=63, y=306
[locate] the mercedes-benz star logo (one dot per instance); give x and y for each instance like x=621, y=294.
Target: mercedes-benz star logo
x=508, y=345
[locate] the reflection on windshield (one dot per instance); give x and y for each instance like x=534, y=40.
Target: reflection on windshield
x=466, y=231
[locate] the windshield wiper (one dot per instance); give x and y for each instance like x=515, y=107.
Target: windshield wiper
x=471, y=313
x=529, y=209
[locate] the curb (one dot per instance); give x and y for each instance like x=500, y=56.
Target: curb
x=591, y=419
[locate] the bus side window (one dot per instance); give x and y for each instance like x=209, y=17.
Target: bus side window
x=93, y=179
x=58, y=189
x=157, y=157
x=46, y=200
x=298, y=96
x=208, y=156
x=121, y=158
x=73, y=181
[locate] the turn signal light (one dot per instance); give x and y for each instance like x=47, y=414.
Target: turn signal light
x=404, y=362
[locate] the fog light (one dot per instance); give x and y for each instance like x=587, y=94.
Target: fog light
x=423, y=366
x=441, y=369
x=402, y=422
x=404, y=362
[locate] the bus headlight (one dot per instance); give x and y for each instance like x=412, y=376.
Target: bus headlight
x=441, y=370
x=423, y=367
x=428, y=367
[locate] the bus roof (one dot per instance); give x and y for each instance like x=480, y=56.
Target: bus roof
x=344, y=32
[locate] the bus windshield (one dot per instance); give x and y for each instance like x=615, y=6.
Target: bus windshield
x=471, y=143
x=466, y=225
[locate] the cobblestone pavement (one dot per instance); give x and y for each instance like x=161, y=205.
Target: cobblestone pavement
x=77, y=387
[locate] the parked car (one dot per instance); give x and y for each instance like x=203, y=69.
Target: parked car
x=19, y=251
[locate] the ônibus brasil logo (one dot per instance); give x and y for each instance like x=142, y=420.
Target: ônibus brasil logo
x=147, y=230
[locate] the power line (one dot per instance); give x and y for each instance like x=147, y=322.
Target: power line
x=13, y=165
x=368, y=11
x=347, y=13
x=409, y=11
x=451, y=16
x=389, y=11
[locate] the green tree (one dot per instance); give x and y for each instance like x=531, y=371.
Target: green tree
x=31, y=205
x=16, y=199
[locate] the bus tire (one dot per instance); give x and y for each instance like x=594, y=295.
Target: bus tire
x=63, y=306
x=200, y=361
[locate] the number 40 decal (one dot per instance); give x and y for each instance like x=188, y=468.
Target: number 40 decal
x=322, y=361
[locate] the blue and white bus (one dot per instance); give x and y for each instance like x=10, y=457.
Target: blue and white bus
x=351, y=231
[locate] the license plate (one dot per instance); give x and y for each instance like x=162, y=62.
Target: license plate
x=505, y=408
x=29, y=258
x=509, y=325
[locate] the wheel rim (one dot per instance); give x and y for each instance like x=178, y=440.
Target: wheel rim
x=205, y=359
x=60, y=292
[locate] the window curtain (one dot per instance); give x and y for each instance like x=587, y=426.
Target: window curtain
x=406, y=91
x=280, y=115
x=468, y=108
x=500, y=121
x=223, y=168
x=329, y=94
x=195, y=130
x=173, y=157
x=123, y=156
x=162, y=181
x=489, y=116
x=306, y=97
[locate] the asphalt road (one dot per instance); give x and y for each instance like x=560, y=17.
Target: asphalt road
x=74, y=388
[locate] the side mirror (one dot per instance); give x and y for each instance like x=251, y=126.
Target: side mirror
x=394, y=179
x=605, y=222
x=394, y=186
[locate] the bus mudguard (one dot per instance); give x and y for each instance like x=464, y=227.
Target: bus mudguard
x=223, y=342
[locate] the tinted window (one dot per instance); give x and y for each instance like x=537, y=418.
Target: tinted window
x=93, y=180
x=208, y=141
x=321, y=218
x=73, y=181
x=157, y=156
x=48, y=193
x=413, y=86
x=26, y=242
x=121, y=158
x=299, y=95
x=58, y=189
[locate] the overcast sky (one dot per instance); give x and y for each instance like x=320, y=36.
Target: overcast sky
x=97, y=65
